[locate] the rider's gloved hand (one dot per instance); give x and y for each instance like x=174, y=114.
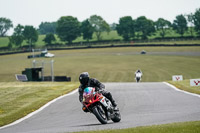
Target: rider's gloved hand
x=100, y=91
x=97, y=89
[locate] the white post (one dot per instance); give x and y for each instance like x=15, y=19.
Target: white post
x=42, y=73
x=52, y=73
x=33, y=63
x=33, y=53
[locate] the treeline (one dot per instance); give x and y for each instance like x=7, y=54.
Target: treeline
x=68, y=28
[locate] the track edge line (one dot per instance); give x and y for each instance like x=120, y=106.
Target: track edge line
x=177, y=89
x=40, y=109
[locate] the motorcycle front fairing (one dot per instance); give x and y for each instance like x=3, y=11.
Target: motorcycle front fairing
x=92, y=98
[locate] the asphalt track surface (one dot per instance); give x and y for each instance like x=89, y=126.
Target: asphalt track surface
x=140, y=104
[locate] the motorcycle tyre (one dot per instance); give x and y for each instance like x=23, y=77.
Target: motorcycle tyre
x=98, y=116
x=137, y=80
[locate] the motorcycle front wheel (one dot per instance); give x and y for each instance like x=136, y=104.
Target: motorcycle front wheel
x=137, y=80
x=100, y=114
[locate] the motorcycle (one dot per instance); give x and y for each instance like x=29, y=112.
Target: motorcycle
x=138, y=77
x=100, y=106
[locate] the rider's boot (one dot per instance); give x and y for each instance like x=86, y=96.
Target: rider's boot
x=114, y=103
x=109, y=96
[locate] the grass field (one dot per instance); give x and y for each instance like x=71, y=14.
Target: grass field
x=111, y=64
x=185, y=127
x=20, y=98
x=107, y=65
x=4, y=41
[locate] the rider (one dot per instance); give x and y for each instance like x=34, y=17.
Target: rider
x=138, y=71
x=86, y=81
x=138, y=74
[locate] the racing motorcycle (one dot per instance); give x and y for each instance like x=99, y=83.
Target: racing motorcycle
x=100, y=106
x=138, y=77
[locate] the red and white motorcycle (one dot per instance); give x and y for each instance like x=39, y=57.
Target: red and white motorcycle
x=100, y=106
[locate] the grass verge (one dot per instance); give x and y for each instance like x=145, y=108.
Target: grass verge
x=183, y=127
x=111, y=64
x=21, y=98
x=185, y=85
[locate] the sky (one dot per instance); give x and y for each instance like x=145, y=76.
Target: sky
x=33, y=12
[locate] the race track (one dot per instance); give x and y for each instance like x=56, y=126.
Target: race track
x=140, y=105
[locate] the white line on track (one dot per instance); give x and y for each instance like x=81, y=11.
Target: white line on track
x=181, y=90
x=37, y=111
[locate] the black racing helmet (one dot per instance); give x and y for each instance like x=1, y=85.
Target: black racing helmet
x=84, y=78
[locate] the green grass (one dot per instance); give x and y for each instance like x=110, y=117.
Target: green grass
x=172, y=33
x=172, y=42
x=21, y=98
x=184, y=127
x=4, y=41
x=111, y=64
x=185, y=85
x=107, y=65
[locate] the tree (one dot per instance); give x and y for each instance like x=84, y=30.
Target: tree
x=190, y=19
x=17, y=38
x=197, y=20
x=30, y=34
x=162, y=25
x=99, y=25
x=107, y=27
x=126, y=27
x=180, y=24
x=145, y=26
x=47, y=27
x=5, y=25
x=68, y=28
x=49, y=38
x=87, y=30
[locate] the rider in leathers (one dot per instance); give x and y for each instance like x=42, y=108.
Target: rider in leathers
x=86, y=81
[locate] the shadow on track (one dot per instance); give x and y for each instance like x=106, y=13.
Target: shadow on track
x=90, y=125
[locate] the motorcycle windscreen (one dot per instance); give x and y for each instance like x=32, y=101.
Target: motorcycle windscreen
x=88, y=94
x=87, y=91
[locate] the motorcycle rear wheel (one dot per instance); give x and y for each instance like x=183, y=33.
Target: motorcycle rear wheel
x=100, y=114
